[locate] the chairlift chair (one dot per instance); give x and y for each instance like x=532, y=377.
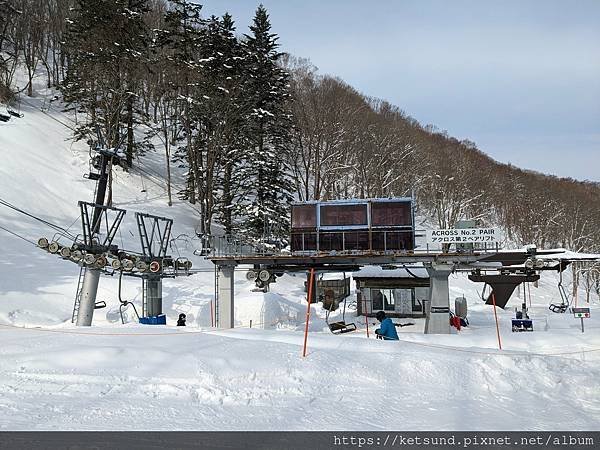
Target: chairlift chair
x=561, y=307
x=340, y=326
x=125, y=303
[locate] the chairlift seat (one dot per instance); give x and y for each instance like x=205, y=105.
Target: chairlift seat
x=4, y=118
x=341, y=327
x=92, y=176
x=558, y=308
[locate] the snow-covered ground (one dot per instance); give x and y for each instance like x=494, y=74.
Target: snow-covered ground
x=134, y=377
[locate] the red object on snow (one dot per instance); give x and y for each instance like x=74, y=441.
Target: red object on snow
x=455, y=322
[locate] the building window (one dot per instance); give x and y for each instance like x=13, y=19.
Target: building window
x=344, y=215
x=401, y=300
x=382, y=300
x=304, y=216
x=391, y=213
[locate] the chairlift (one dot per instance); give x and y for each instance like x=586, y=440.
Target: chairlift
x=339, y=327
x=91, y=176
x=99, y=305
x=4, y=118
x=125, y=303
x=561, y=307
x=95, y=166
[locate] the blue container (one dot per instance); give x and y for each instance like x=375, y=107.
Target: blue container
x=161, y=319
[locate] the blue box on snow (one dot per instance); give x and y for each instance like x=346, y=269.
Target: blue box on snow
x=161, y=319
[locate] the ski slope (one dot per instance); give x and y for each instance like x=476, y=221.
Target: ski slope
x=54, y=376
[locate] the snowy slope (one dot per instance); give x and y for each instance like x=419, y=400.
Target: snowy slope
x=112, y=376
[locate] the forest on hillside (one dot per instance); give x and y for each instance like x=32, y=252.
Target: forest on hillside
x=256, y=128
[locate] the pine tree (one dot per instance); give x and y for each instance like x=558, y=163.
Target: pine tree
x=267, y=132
x=231, y=108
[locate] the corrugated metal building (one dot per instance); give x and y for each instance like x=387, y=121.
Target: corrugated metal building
x=383, y=225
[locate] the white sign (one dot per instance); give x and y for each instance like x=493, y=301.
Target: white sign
x=581, y=312
x=464, y=236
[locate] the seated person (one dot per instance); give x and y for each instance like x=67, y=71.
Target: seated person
x=388, y=329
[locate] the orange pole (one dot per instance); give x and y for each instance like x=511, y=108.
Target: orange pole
x=496, y=316
x=366, y=316
x=310, y=286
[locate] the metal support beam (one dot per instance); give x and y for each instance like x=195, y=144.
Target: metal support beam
x=225, y=301
x=154, y=296
x=88, y=298
x=438, y=319
x=503, y=285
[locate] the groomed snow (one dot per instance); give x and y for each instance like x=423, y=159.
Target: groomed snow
x=54, y=376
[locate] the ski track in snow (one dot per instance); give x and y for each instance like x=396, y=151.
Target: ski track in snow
x=131, y=377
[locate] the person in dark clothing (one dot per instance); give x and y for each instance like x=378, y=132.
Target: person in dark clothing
x=387, y=331
x=181, y=320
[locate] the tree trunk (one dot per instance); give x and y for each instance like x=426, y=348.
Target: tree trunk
x=168, y=156
x=110, y=180
x=227, y=198
x=130, y=130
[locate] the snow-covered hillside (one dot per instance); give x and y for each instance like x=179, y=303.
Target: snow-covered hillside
x=123, y=377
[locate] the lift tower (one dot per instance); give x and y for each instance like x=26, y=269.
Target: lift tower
x=154, y=232
x=86, y=297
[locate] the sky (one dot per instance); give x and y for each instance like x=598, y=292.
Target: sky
x=519, y=78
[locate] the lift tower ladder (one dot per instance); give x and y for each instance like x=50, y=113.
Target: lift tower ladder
x=144, y=298
x=82, y=271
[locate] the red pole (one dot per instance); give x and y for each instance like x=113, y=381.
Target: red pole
x=310, y=286
x=212, y=320
x=496, y=316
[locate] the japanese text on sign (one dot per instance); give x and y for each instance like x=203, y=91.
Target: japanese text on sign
x=461, y=236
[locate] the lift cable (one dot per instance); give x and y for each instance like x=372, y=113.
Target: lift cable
x=55, y=227
x=18, y=235
x=412, y=274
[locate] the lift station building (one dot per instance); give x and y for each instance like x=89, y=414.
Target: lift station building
x=400, y=292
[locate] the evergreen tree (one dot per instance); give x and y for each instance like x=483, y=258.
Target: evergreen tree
x=267, y=133
x=231, y=105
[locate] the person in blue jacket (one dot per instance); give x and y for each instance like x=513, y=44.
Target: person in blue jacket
x=387, y=331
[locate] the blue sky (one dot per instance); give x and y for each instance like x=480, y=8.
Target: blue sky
x=519, y=78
